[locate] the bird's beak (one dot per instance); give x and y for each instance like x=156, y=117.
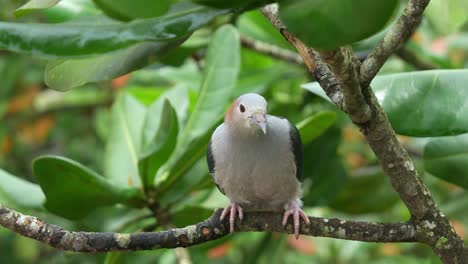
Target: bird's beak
x=259, y=119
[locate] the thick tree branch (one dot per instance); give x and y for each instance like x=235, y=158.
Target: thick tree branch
x=399, y=33
x=340, y=87
x=210, y=229
x=346, y=68
x=312, y=59
x=271, y=50
x=432, y=227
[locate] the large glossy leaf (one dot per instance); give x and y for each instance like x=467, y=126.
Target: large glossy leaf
x=73, y=191
x=130, y=9
x=35, y=5
x=328, y=24
x=422, y=104
x=159, y=139
x=447, y=158
x=219, y=79
x=314, y=126
x=21, y=192
x=88, y=38
x=123, y=144
x=66, y=74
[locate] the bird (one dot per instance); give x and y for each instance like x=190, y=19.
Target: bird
x=255, y=159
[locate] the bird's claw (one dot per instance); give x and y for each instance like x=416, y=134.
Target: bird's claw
x=295, y=210
x=232, y=209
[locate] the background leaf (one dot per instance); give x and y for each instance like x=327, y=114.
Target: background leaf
x=447, y=16
x=35, y=5
x=313, y=126
x=447, y=158
x=219, y=79
x=88, y=38
x=15, y=189
x=124, y=142
x=130, y=9
x=365, y=193
x=423, y=103
x=328, y=24
x=323, y=172
x=160, y=142
x=63, y=75
x=59, y=178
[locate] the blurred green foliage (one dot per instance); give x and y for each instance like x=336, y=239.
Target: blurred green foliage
x=126, y=141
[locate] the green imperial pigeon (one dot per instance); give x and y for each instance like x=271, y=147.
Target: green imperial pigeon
x=256, y=161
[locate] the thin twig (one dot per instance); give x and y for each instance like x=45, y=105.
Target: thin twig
x=271, y=50
x=412, y=58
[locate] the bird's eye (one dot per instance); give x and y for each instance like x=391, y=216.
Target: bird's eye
x=242, y=108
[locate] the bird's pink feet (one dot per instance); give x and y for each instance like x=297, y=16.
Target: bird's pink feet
x=295, y=210
x=232, y=209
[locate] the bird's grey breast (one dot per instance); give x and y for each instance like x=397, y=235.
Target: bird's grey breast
x=259, y=171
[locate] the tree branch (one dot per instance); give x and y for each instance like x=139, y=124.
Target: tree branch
x=340, y=87
x=346, y=68
x=399, y=33
x=271, y=50
x=210, y=229
x=432, y=227
x=412, y=58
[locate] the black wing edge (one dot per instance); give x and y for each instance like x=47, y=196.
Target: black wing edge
x=296, y=144
x=211, y=165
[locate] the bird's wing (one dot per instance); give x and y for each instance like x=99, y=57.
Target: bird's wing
x=296, y=147
x=211, y=165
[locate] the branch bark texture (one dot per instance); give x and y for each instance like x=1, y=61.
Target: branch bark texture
x=432, y=227
x=210, y=229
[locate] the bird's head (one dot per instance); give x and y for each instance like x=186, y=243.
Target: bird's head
x=247, y=114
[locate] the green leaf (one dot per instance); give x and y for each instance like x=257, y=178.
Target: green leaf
x=232, y=4
x=123, y=144
x=73, y=191
x=190, y=215
x=447, y=159
x=458, y=41
x=186, y=184
x=33, y=5
x=328, y=24
x=323, y=172
x=314, y=126
x=88, y=38
x=219, y=79
x=63, y=75
x=368, y=192
x=115, y=258
x=15, y=189
x=423, y=103
x=68, y=10
x=159, y=140
x=254, y=24
x=447, y=16
x=131, y=9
